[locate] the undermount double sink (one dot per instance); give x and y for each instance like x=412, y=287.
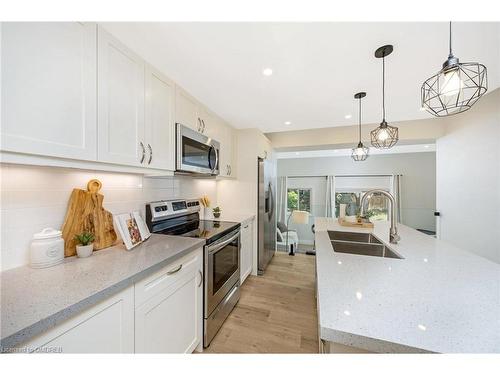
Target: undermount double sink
x=360, y=244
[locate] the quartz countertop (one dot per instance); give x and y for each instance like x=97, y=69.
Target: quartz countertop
x=439, y=298
x=35, y=300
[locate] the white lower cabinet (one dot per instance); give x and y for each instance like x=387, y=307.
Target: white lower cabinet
x=107, y=327
x=169, y=308
x=246, y=252
x=162, y=313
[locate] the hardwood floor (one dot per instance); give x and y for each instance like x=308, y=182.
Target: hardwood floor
x=276, y=312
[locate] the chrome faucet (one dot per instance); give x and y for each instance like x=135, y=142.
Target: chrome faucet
x=393, y=233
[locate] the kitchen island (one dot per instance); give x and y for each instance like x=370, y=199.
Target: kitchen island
x=437, y=299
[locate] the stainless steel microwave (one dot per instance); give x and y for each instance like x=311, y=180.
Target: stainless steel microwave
x=195, y=152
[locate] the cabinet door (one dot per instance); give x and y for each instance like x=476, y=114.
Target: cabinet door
x=246, y=250
x=49, y=89
x=209, y=123
x=160, y=125
x=171, y=321
x=120, y=103
x=107, y=327
x=186, y=109
x=227, y=147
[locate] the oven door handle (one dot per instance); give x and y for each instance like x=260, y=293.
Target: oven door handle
x=216, y=247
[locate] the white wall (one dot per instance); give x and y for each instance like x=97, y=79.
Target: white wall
x=33, y=198
x=468, y=178
x=418, y=198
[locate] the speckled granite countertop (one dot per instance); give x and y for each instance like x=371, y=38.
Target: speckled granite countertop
x=35, y=300
x=439, y=298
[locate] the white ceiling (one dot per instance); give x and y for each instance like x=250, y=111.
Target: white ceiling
x=317, y=67
x=399, y=149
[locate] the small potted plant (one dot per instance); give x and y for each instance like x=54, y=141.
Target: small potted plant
x=216, y=211
x=86, y=244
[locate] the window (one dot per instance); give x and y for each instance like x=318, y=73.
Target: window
x=377, y=207
x=299, y=199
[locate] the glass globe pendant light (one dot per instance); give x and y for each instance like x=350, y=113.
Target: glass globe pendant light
x=360, y=152
x=385, y=136
x=455, y=88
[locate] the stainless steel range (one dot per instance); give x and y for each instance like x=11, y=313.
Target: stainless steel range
x=221, y=255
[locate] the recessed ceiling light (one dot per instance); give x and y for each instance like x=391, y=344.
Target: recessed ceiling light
x=297, y=153
x=347, y=312
x=347, y=117
x=422, y=327
x=267, y=71
x=426, y=146
x=288, y=123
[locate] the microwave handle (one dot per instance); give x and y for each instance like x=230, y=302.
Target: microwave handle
x=216, y=159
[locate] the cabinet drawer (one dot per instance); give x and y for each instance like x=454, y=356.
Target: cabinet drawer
x=169, y=275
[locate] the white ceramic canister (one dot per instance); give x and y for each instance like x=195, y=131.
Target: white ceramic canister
x=47, y=248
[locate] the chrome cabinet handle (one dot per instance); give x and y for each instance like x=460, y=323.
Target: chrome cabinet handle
x=171, y=272
x=203, y=128
x=230, y=170
x=150, y=154
x=246, y=226
x=143, y=152
x=201, y=278
x=199, y=125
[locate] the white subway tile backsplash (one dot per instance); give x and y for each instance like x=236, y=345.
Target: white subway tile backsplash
x=33, y=198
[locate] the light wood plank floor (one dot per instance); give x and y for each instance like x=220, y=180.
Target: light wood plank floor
x=276, y=312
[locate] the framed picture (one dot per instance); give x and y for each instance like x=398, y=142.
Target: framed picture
x=132, y=229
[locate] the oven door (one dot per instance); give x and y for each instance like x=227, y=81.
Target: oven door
x=222, y=269
x=196, y=153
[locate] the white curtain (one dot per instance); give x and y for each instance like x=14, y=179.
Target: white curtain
x=396, y=192
x=282, y=198
x=330, y=196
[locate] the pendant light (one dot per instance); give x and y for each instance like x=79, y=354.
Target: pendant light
x=455, y=88
x=385, y=136
x=360, y=152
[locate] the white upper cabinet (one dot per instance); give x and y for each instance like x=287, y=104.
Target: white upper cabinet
x=226, y=139
x=186, y=110
x=209, y=123
x=191, y=113
x=160, y=134
x=120, y=103
x=49, y=89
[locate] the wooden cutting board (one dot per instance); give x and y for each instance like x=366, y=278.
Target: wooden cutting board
x=86, y=214
x=345, y=223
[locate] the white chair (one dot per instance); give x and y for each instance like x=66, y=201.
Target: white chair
x=293, y=241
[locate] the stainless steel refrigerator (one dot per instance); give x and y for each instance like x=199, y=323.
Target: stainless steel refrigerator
x=266, y=219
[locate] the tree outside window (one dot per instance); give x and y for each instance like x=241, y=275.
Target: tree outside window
x=377, y=208
x=299, y=199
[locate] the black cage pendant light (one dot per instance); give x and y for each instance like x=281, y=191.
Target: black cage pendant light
x=360, y=152
x=455, y=88
x=385, y=136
